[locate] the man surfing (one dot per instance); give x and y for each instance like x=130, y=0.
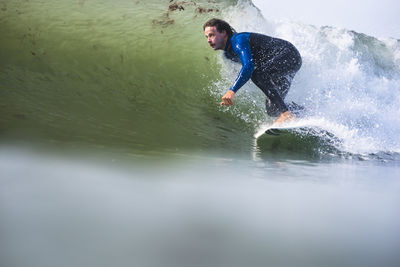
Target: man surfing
x=271, y=63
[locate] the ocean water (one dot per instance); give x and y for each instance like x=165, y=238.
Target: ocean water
x=114, y=150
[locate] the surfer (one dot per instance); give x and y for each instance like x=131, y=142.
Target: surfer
x=271, y=63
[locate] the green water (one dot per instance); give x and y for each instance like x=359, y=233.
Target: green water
x=125, y=75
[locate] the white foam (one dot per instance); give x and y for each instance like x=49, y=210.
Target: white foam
x=348, y=80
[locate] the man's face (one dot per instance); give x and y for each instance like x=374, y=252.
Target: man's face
x=215, y=39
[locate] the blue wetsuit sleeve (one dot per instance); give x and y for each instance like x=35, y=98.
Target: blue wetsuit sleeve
x=241, y=46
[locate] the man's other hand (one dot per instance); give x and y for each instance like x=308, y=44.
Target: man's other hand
x=227, y=99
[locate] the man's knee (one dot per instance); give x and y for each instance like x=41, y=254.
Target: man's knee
x=282, y=84
x=275, y=107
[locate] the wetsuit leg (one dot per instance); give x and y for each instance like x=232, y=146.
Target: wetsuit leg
x=274, y=79
x=272, y=87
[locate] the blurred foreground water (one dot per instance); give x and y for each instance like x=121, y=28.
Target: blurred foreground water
x=198, y=211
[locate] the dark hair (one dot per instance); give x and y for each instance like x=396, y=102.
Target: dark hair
x=220, y=25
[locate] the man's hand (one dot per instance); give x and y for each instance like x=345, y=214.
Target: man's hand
x=227, y=99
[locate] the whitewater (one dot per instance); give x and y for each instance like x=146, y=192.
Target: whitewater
x=114, y=149
x=348, y=79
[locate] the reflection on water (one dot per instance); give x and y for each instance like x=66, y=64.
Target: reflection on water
x=204, y=212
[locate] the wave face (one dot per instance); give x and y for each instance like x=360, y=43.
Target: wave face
x=139, y=75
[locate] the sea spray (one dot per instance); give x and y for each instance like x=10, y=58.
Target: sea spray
x=348, y=79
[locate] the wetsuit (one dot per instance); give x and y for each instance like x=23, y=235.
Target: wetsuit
x=271, y=63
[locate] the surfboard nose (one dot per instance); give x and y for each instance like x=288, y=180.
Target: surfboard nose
x=273, y=131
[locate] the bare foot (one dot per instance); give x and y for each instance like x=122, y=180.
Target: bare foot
x=284, y=117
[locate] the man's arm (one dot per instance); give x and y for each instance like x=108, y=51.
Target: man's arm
x=241, y=47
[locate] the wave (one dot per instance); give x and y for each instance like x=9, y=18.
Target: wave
x=138, y=75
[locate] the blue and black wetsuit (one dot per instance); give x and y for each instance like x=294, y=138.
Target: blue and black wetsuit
x=271, y=63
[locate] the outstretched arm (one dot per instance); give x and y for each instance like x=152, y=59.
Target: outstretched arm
x=241, y=47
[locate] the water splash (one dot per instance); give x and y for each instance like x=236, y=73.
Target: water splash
x=349, y=81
